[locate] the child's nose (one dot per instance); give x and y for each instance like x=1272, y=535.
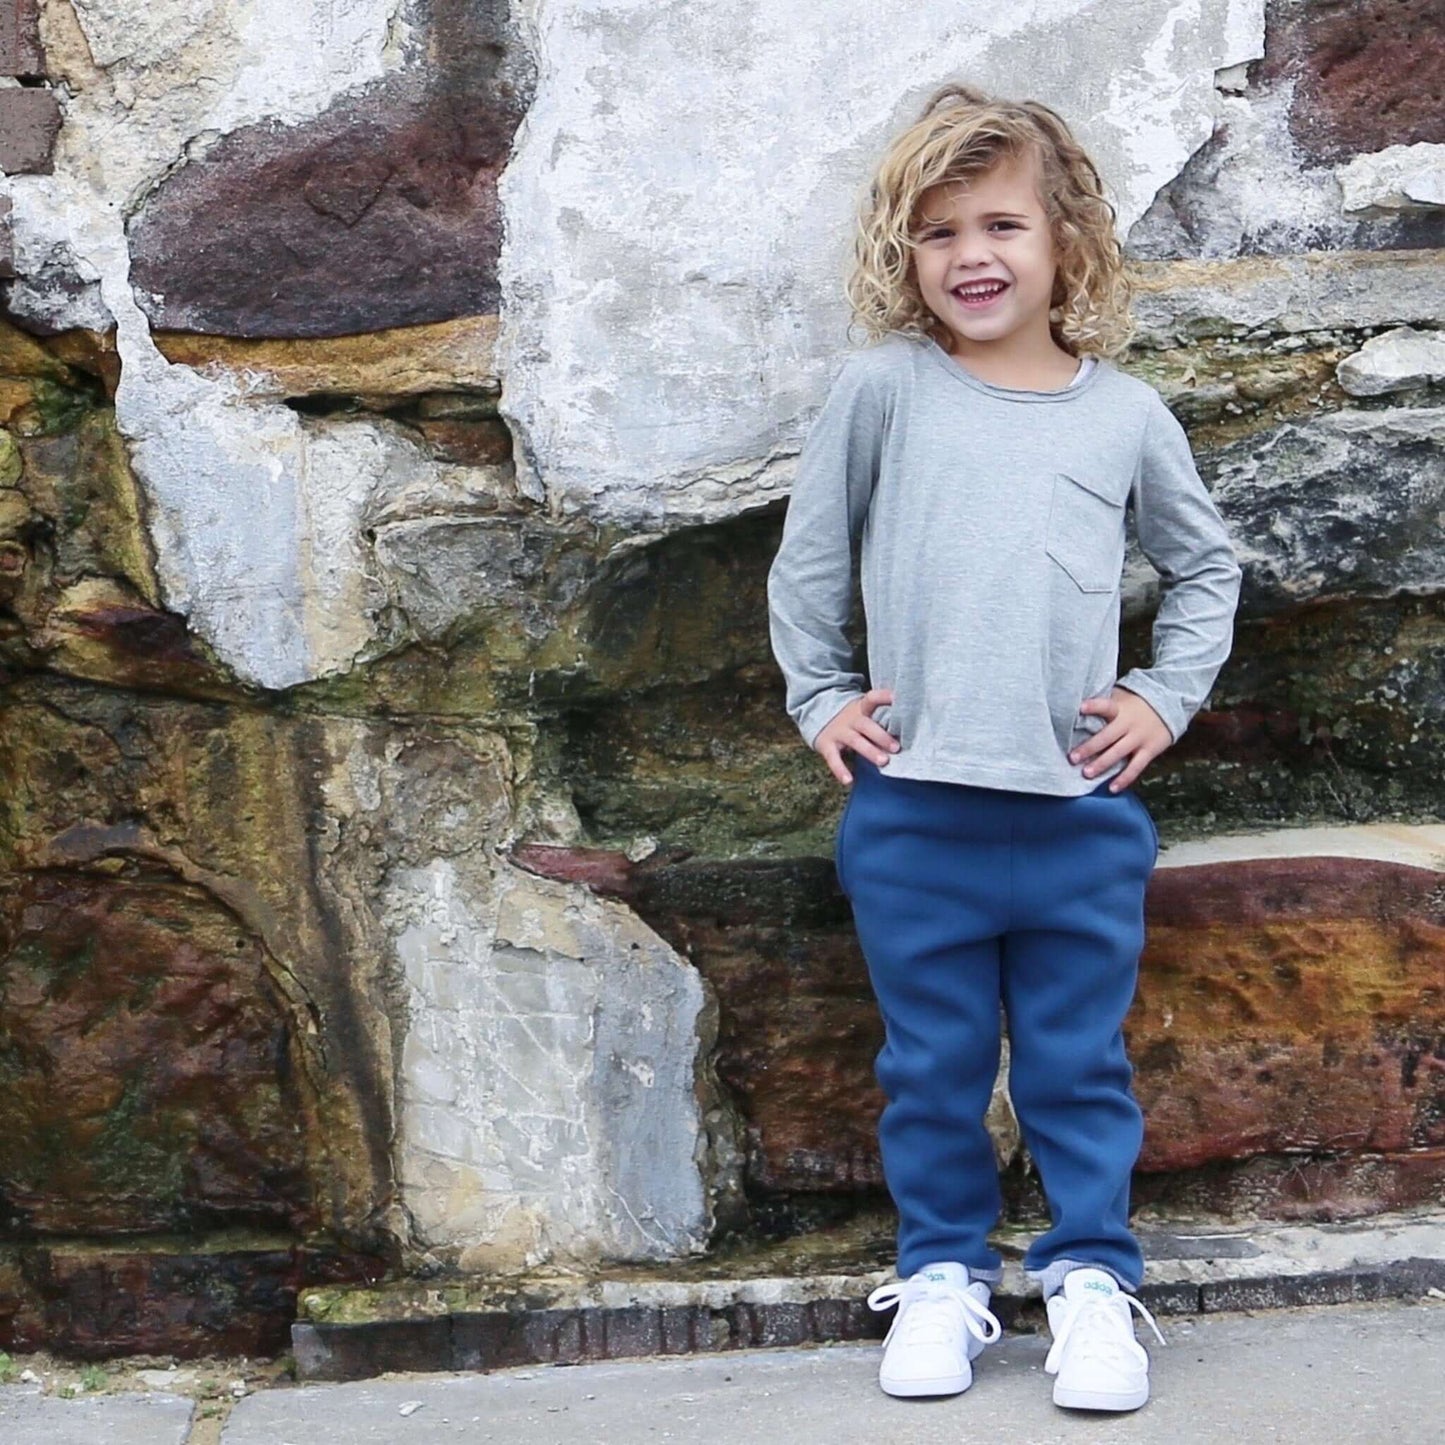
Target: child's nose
x=973, y=249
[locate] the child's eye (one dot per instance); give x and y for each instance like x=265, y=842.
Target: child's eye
x=943, y=233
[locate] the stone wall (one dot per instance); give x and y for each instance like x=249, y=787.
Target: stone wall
x=405, y=862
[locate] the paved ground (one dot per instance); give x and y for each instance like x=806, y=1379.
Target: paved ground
x=28, y=1417
x=1373, y=1375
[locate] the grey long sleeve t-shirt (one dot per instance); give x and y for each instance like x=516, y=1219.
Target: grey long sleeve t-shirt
x=991, y=527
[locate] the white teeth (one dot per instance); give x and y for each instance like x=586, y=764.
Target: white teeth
x=983, y=288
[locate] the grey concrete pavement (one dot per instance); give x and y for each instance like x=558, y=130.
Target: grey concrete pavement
x=30, y=1417
x=1374, y=1375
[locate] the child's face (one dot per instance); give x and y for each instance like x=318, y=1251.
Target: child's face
x=993, y=229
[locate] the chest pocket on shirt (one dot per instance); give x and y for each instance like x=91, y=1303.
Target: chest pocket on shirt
x=1086, y=531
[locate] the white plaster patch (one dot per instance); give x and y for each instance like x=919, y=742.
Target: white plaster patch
x=255, y=515
x=264, y=58
x=1233, y=79
x=1243, y=34
x=1259, y=184
x=54, y=285
x=121, y=32
x=679, y=202
x=290, y=53
x=529, y=1092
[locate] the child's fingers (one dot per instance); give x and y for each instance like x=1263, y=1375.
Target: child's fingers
x=1108, y=734
x=877, y=733
x=1121, y=749
x=860, y=742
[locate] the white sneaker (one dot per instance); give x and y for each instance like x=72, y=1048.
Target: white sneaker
x=1098, y=1363
x=941, y=1327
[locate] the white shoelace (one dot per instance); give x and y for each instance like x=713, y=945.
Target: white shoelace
x=929, y=1311
x=1108, y=1330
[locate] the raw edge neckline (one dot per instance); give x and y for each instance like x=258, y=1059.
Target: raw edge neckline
x=1010, y=393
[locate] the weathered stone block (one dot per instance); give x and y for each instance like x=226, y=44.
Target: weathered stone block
x=161, y=1295
x=1346, y=505
x=1299, y=1186
x=380, y=212
x=202, y=906
x=683, y=1326
x=1292, y=1004
x=20, y=51
x=148, y=1062
x=1322, y=715
x=797, y=1039
x=1340, y=79
x=29, y=122
x=497, y=1339
x=1362, y=72
x=632, y=1332
x=443, y=356
x=579, y=1135
x=1398, y=178
x=1399, y=359
x=1277, y=297
x=349, y=1352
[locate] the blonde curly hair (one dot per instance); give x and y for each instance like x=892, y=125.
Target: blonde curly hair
x=961, y=133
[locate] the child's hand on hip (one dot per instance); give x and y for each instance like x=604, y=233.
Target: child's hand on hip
x=854, y=728
x=1133, y=727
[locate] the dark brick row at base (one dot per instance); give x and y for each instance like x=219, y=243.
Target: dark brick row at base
x=498, y=1339
x=1401, y=1279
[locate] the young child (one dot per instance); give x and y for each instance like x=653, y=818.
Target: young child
x=985, y=454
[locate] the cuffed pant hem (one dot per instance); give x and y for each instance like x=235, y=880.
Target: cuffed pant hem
x=1050, y=1279
x=991, y=1277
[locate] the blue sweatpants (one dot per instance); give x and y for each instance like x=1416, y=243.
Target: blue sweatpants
x=965, y=898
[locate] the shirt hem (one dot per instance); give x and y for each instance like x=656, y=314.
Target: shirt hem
x=923, y=768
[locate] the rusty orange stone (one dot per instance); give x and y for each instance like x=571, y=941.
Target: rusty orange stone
x=1291, y=1004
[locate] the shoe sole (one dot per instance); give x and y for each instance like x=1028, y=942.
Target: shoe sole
x=1095, y=1400
x=941, y=1385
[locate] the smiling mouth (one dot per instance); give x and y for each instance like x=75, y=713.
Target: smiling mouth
x=976, y=298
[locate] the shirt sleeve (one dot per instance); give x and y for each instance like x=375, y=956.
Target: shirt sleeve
x=810, y=583
x=1185, y=539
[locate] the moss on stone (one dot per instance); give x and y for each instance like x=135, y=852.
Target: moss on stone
x=11, y=462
